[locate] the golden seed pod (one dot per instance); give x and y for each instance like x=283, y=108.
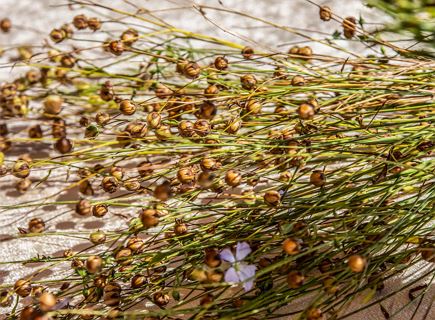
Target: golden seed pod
x=117, y=172
x=23, y=185
x=63, y=145
x=135, y=244
x=191, y=70
x=47, y=301
x=53, y=104
x=83, y=207
x=248, y=81
x=221, y=63
x=233, y=178
x=325, y=13
x=58, y=35
x=102, y=118
x=357, y=263
x=137, y=129
x=298, y=81
x=285, y=176
x=209, y=164
x=186, y=175
x=160, y=299
x=123, y=256
x=149, y=218
x=314, y=314
x=21, y=169
x=318, y=178
x=211, y=90
x=294, y=50
x=116, y=47
x=212, y=258
x=305, y=51
x=138, y=281
x=94, y=264
x=99, y=210
x=207, y=110
x=253, y=106
x=163, y=132
x=33, y=76
x=163, y=191
x=180, y=65
x=186, y=128
x=306, y=111
x=127, y=107
x=129, y=36
x=132, y=184
x=94, y=23
x=80, y=22
x=272, y=198
x=291, y=246
x=180, y=229
x=36, y=225
x=233, y=125
x=162, y=91
x=247, y=52
x=202, y=127
x=5, y=25
x=22, y=287
x=349, y=27
x=295, y=279
x=154, y=120
x=110, y=184
x=97, y=237
x=58, y=128
x=6, y=299
x=67, y=61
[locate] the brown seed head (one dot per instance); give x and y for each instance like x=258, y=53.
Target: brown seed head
x=272, y=198
x=80, y=22
x=233, y=178
x=295, y=279
x=357, y=263
x=291, y=246
x=247, y=52
x=325, y=13
x=94, y=264
x=83, y=207
x=47, y=301
x=36, y=225
x=221, y=63
x=318, y=178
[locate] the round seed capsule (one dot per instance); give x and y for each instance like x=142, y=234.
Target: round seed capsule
x=248, y=81
x=63, y=145
x=47, y=301
x=295, y=279
x=5, y=25
x=291, y=246
x=94, y=264
x=306, y=111
x=180, y=229
x=221, y=63
x=36, y=225
x=21, y=169
x=23, y=287
x=160, y=299
x=80, y=22
x=192, y=70
x=349, y=27
x=298, y=81
x=116, y=47
x=247, y=52
x=127, y=107
x=149, y=218
x=325, y=13
x=186, y=175
x=233, y=178
x=318, y=178
x=97, y=237
x=272, y=198
x=83, y=207
x=110, y=184
x=357, y=263
x=212, y=258
x=99, y=210
x=94, y=24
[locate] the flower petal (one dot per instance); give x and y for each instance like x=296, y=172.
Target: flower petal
x=227, y=255
x=231, y=275
x=248, y=285
x=246, y=271
x=242, y=250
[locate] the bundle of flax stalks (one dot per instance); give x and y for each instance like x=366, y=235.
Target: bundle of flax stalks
x=242, y=181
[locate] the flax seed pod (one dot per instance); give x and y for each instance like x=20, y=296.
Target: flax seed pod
x=325, y=13
x=21, y=169
x=211, y=90
x=80, y=22
x=349, y=27
x=154, y=120
x=221, y=63
x=318, y=178
x=83, y=207
x=233, y=125
x=253, y=106
x=357, y=263
x=162, y=91
x=306, y=52
x=192, y=70
x=58, y=128
x=63, y=145
x=272, y=198
x=99, y=210
x=53, y=105
x=160, y=299
x=123, y=256
x=212, y=258
x=94, y=24
x=295, y=279
x=94, y=264
x=233, y=178
x=110, y=184
x=58, y=35
x=23, y=185
x=5, y=25
x=67, y=61
x=291, y=246
x=129, y=36
x=163, y=132
x=22, y=287
x=149, y=218
x=186, y=128
x=186, y=175
x=163, y=191
x=36, y=225
x=314, y=314
x=248, y=81
x=135, y=244
x=127, y=107
x=202, y=127
x=306, y=111
x=138, y=281
x=298, y=81
x=97, y=237
x=47, y=301
x=247, y=52
x=137, y=129
x=116, y=47
x=6, y=299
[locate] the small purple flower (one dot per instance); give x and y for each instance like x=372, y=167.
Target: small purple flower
x=239, y=271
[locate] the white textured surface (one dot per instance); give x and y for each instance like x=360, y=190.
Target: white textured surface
x=33, y=19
